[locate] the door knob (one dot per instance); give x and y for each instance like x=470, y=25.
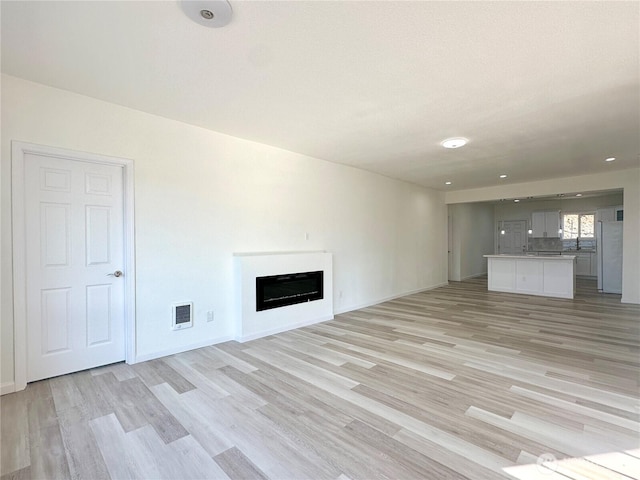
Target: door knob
x=117, y=273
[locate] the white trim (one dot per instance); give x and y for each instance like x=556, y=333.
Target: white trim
x=624, y=300
x=184, y=348
x=386, y=299
x=7, y=387
x=18, y=151
x=273, y=331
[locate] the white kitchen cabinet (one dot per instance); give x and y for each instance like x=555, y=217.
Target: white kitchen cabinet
x=609, y=214
x=586, y=264
x=538, y=224
x=545, y=224
x=583, y=264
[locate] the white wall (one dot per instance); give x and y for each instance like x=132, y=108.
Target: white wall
x=629, y=180
x=201, y=195
x=473, y=235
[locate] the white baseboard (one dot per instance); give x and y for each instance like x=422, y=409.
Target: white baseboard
x=184, y=348
x=7, y=387
x=386, y=299
x=285, y=328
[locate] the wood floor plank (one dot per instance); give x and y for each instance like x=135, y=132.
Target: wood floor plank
x=125, y=405
x=22, y=474
x=152, y=409
x=48, y=456
x=65, y=393
x=83, y=455
x=14, y=432
x=618, y=462
x=237, y=466
x=583, y=468
x=193, y=419
x=113, y=446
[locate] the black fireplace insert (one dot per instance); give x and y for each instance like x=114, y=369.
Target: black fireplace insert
x=288, y=289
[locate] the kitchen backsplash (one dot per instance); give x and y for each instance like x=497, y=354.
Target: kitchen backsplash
x=557, y=244
x=545, y=244
x=585, y=243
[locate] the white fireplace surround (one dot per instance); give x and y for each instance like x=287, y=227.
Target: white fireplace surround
x=251, y=324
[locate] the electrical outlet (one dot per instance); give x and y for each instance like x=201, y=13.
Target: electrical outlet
x=210, y=316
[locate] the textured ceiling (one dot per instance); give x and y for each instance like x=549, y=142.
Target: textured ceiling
x=541, y=89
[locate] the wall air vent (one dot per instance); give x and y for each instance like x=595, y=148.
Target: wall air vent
x=181, y=315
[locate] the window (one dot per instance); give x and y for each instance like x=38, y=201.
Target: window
x=578, y=225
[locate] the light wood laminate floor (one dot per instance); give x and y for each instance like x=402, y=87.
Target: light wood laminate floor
x=450, y=383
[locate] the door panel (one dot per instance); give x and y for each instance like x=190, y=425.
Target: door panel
x=98, y=314
x=98, y=235
x=74, y=239
x=54, y=234
x=54, y=320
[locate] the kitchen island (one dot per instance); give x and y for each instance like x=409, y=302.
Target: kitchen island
x=547, y=276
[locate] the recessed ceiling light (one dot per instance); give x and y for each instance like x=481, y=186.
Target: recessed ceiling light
x=447, y=183
x=455, y=142
x=561, y=194
x=210, y=13
x=504, y=175
x=610, y=159
x=516, y=200
x=578, y=194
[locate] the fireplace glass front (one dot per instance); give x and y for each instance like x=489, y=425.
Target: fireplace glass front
x=288, y=289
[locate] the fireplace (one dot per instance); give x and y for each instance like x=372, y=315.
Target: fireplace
x=288, y=289
x=263, y=284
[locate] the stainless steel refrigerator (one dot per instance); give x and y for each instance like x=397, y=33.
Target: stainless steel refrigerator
x=609, y=253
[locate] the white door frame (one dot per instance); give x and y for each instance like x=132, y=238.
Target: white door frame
x=18, y=152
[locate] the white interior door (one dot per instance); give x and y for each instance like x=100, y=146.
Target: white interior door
x=514, y=239
x=74, y=247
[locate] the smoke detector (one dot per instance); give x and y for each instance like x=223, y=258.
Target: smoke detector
x=210, y=13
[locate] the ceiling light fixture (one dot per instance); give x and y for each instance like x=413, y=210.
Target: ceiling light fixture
x=610, y=159
x=516, y=200
x=578, y=194
x=504, y=175
x=447, y=183
x=455, y=142
x=210, y=13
